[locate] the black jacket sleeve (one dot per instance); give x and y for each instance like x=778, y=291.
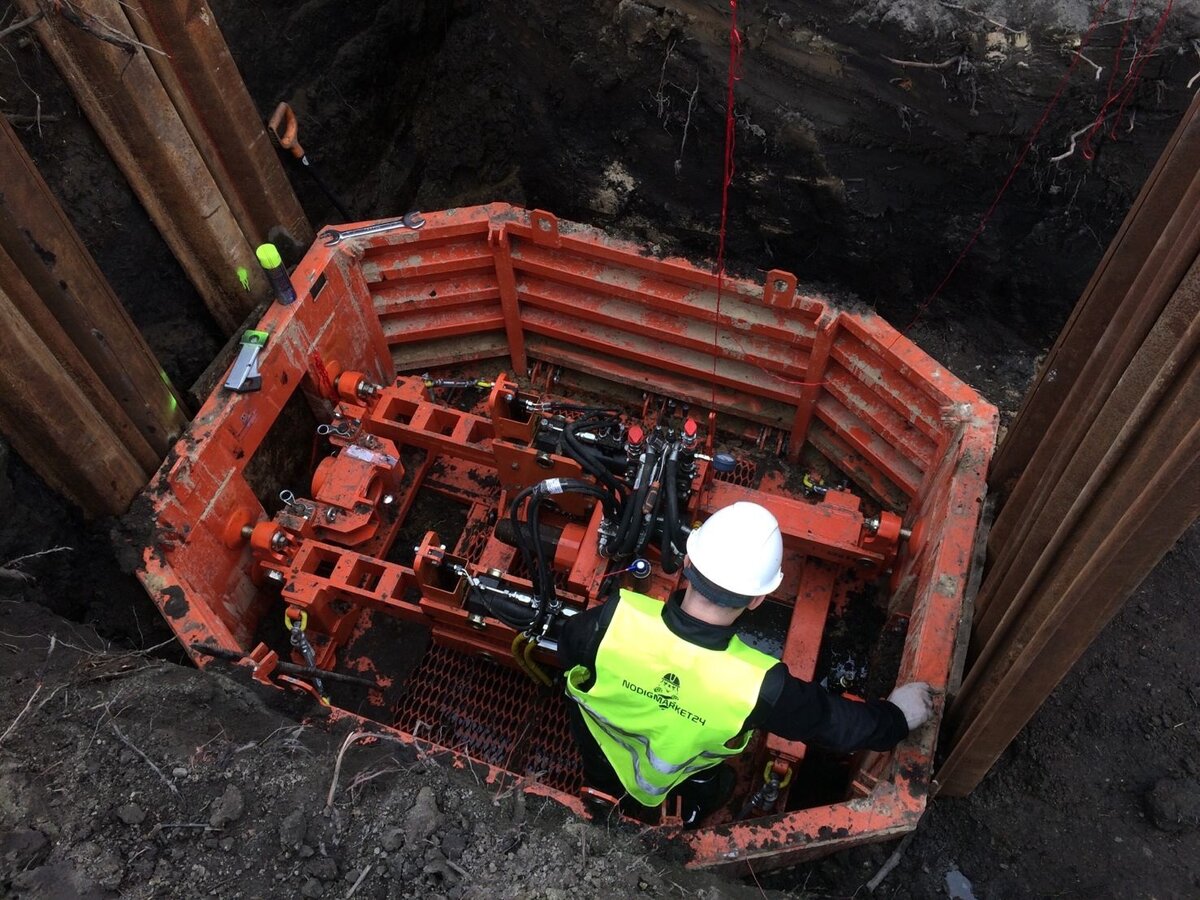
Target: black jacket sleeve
x=580, y=638
x=799, y=710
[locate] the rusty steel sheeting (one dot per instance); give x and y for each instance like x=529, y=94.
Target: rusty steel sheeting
x=1154, y=228
x=1099, y=459
x=1134, y=518
x=1021, y=528
x=199, y=73
x=1109, y=488
x=50, y=420
x=74, y=311
x=130, y=110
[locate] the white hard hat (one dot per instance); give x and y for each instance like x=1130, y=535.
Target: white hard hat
x=736, y=555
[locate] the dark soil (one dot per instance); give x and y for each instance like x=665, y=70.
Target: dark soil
x=861, y=176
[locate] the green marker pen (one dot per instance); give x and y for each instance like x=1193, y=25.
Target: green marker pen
x=272, y=263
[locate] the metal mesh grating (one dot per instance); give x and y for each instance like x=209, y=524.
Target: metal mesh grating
x=496, y=714
x=473, y=546
x=742, y=475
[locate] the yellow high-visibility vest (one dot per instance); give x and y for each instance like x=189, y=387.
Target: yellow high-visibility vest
x=662, y=708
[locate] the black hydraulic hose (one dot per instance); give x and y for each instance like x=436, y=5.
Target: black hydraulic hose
x=545, y=577
x=577, y=486
x=629, y=531
x=628, y=508
x=648, y=522
x=579, y=407
x=669, y=559
x=519, y=534
x=547, y=593
x=509, y=611
x=592, y=463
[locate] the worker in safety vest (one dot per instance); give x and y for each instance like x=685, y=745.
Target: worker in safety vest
x=663, y=692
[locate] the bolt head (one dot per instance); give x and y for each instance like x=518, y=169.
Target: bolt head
x=780, y=285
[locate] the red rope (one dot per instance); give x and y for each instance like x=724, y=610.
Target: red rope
x=1062, y=85
x=735, y=56
x=1140, y=60
x=1128, y=85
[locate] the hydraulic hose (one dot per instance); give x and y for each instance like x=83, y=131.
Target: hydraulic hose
x=669, y=559
x=629, y=531
x=508, y=611
x=519, y=534
x=527, y=536
x=576, y=486
x=592, y=462
x=536, y=672
x=654, y=504
x=545, y=577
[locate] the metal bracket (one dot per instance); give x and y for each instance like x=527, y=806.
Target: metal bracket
x=545, y=228
x=244, y=376
x=779, y=290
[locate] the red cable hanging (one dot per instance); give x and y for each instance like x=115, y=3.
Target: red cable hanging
x=1062, y=84
x=735, y=56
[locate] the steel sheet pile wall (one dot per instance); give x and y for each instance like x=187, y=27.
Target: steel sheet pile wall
x=82, y=398
x=169, y=104
x=1103, y=464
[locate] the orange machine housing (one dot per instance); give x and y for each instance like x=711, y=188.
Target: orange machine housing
x=561, y=311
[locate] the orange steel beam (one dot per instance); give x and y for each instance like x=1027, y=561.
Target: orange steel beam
x=829, y=530
x=810, y=390
x=502, y=252
x=803, y=641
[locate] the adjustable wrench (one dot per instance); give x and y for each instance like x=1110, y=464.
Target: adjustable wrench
x=332, y=237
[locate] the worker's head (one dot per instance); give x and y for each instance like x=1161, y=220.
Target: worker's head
x=733, y=559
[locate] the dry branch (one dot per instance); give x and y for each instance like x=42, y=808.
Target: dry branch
x=21, y=119
x=891, y=862
x=138, y=750
x=917, y=64
x=28, y=703
x=352, y=738
x=10, y=571
x=361, y=878
x=980, y=15
x=17, y=26
x=96, y=26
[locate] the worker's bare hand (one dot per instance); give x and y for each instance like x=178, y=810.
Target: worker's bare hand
x=915, y=700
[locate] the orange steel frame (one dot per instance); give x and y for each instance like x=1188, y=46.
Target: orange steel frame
x=527, y=292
